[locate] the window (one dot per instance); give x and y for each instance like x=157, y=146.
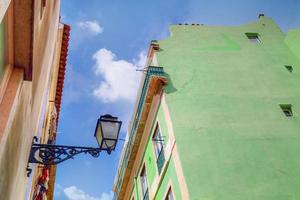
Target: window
x=289, y=68
x=144, y=183
x=158, y=143
x=253, y=37
x=287, y=109
x=169, y=195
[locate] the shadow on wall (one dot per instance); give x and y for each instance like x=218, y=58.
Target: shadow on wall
x=169, y=88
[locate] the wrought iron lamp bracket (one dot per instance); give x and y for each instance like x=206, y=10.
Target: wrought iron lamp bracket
x=48, y=154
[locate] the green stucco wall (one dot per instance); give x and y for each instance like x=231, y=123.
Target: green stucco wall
x=223, y=95
x=163, y=125
x=293, y=41
x=151, y=169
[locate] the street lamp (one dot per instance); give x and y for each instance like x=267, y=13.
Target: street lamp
x=106, y=133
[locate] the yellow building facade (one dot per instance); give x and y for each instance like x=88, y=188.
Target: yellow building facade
x=33, y=51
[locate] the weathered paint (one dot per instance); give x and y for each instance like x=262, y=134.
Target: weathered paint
x=223, y=95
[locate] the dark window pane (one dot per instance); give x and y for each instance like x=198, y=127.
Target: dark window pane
x=287, y=109
x=253, y=37
x=289, y=68
x=158, y=143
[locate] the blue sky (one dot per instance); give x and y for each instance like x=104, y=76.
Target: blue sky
x=109, y=39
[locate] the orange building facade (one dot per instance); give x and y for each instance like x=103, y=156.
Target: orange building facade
x=33, y=55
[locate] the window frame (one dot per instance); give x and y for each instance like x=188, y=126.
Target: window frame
x=160, y=141
x=289, y=68
x=287, y=110
x=253, y=38
x=144, y=190
x=160, y=157
x=132, y=196
x=170, y=189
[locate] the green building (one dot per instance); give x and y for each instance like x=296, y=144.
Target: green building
x=217, y=117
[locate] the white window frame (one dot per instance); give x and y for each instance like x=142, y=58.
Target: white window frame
x=144, y=190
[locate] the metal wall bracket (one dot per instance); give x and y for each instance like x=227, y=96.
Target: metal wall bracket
x=48, y=154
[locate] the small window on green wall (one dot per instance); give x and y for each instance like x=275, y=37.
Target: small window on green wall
x=253, y=37
x=287, y=109
x=170, y=195
x=158, y=140
x=158, y=143
x=144, y=183
x=289, y=68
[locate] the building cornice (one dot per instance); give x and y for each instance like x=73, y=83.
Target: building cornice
x=62, y=68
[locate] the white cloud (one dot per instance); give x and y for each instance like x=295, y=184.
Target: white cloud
x=91, y=26
x=58, y=190
x=120, y=78
x=107, y=196
x=74, y=193
x=141, y=60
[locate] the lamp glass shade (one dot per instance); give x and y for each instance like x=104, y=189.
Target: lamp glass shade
x=107, y=132
x=110, y=129
x=98, y=133
x=109, y=144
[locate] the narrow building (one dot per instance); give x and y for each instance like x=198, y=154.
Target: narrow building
x=216, y=117
x=33, y=52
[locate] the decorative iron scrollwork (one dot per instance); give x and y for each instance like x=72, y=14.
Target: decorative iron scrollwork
x=48, y=154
